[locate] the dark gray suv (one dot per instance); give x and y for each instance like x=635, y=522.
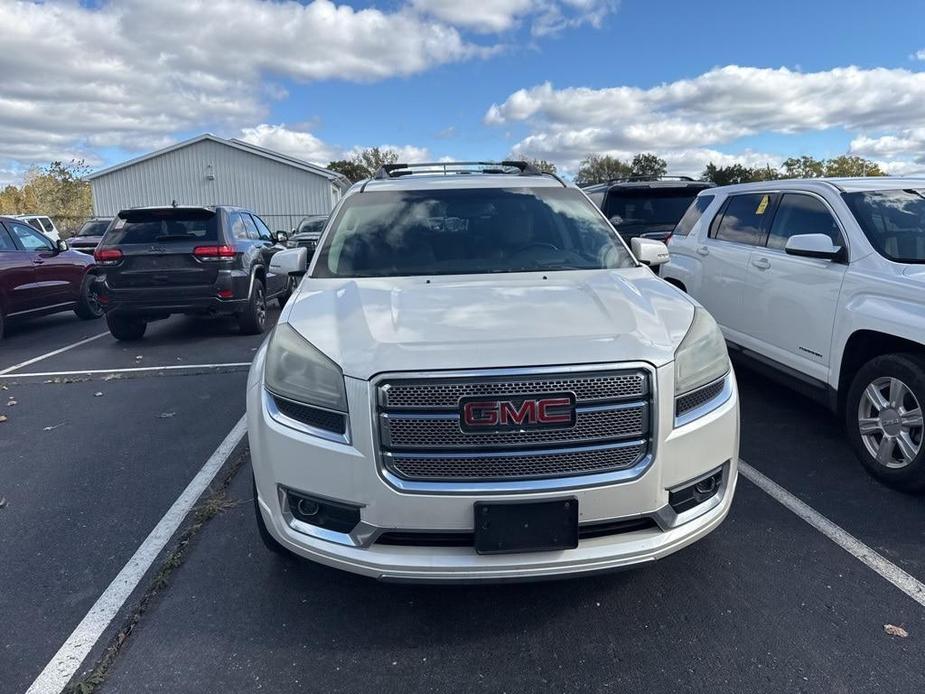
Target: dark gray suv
x=159, y=261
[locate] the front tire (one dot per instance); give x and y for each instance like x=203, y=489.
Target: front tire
x=126, y=329
x=253, y=319
x=88, y=306
x=884, y=420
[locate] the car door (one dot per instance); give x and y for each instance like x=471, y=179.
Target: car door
x=55, y=276
x=791, y=301
x=18, y=289
x=268, y=248
x=739, y=226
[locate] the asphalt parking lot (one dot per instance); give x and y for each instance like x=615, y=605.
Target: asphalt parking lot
x=104, y=438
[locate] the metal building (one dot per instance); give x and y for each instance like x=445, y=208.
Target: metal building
x=209, y=170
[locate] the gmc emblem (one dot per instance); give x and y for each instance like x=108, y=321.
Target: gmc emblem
x=550, y=410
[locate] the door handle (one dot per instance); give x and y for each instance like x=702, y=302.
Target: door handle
x=761, y=263
x=38, y=261
x=703, y=250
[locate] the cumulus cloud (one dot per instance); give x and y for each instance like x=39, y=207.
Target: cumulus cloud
x=545, y=16
x=715, y=108
x=133, y=73
x=306, y=146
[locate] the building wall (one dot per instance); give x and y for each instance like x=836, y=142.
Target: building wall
x=279, y=193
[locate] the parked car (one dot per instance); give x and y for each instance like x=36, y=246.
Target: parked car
x=307, y=233
x=89, y=235
x=477, y=380
x=646, y=207
x=39, y=276
x=160, y=261
x=821, y=283
x=43, y=223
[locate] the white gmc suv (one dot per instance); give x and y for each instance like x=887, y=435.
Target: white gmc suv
x=821, y=282
x=476, y=380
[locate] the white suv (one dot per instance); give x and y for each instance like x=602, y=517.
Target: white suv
x=823, y=281
x=43, y=223
x=476, y=380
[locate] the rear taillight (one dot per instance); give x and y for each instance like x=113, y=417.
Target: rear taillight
x=107, y=256
x=213, y=253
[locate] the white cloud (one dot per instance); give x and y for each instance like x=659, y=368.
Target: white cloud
x=134, y=74
x=693, y=116
x=918, y=55
x=492, y=16
x=304, y=145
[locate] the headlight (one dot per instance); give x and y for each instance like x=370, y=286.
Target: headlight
x=701, y=358
x=296, y=370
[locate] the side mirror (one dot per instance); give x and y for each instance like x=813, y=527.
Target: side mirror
x=61, y=246
x=650, y=252
x=282, y=237
x=291, y=262
x=813, y=246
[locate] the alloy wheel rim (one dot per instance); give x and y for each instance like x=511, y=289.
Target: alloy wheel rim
x=890, y=422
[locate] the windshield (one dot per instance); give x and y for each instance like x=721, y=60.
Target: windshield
x=647, y=206
x=312, y=226
x=893, y=221
x=468, y=231
x=95, y=227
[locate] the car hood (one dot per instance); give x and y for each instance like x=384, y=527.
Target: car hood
x=375, y=325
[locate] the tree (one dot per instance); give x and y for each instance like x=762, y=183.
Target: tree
x=372, y=158
x=598, y=168
x=737, y=173
x=541, y=164
x=803, y=167
x=58, y=190
x=648, y=164
x=848, y=165
x=353, y=171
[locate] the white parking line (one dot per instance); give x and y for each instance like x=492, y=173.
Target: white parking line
x=90, y=372
x=908, y=584
x=50, y=354
x=69, y=657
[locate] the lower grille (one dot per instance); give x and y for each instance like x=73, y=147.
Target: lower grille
x=517, y=466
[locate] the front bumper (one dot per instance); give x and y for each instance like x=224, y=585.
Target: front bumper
x=284, y=458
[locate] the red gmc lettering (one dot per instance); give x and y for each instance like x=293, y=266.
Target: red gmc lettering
x=544, y=416
x=481, y=414
x=510, y=414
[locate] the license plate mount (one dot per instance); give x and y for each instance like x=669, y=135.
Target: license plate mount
x=529, y=526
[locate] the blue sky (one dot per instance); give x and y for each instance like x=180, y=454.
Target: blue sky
x=556, y=79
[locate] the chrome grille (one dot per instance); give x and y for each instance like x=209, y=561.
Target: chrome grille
x=421, y=439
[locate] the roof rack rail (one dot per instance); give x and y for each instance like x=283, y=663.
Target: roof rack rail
x=508, y=167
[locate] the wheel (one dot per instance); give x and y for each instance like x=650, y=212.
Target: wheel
x=253, y=319
x=88, y=306
x=126, y=328
x=284, y=297
x=884, y=420
x=268, y=540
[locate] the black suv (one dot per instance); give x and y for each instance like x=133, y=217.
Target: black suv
x=157, y=261
x=307, y=234
x=649, y=207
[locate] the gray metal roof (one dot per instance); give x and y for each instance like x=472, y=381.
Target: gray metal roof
x=334, y=177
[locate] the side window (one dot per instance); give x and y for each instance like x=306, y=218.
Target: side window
x=46, y=224
x=597, y=197
x=743, y=221
x=238, y=228
x=262, y=229
x=693, y=214
x=802, y=214
x=251, y=227
x=6, y=243
x=30, y=239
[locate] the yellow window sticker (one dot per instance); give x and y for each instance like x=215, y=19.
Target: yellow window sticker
x=763, y=205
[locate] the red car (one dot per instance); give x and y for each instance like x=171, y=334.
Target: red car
x=39, y=276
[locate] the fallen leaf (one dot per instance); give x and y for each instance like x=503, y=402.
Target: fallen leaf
x=2, y=501
x=52, y=428
x=97, y=395
x=112, y=377
x=166, y=415
x=3, y=388
x=138, y=357
x=10, y=403
x=2, y=417
x=895, y=631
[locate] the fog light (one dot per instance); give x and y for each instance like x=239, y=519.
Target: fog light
x=330, y=515
x=695, y=493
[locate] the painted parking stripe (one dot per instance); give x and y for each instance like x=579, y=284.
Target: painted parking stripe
x=135, y=369
x=69, y=657
x=907, y=583
x=50, y=354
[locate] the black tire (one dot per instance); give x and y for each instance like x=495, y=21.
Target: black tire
x=1, y=324
x=253, y=319
x=88, y=307
x=892, y=430
x=268, y=540
x=284, y=297
x=125, y=328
